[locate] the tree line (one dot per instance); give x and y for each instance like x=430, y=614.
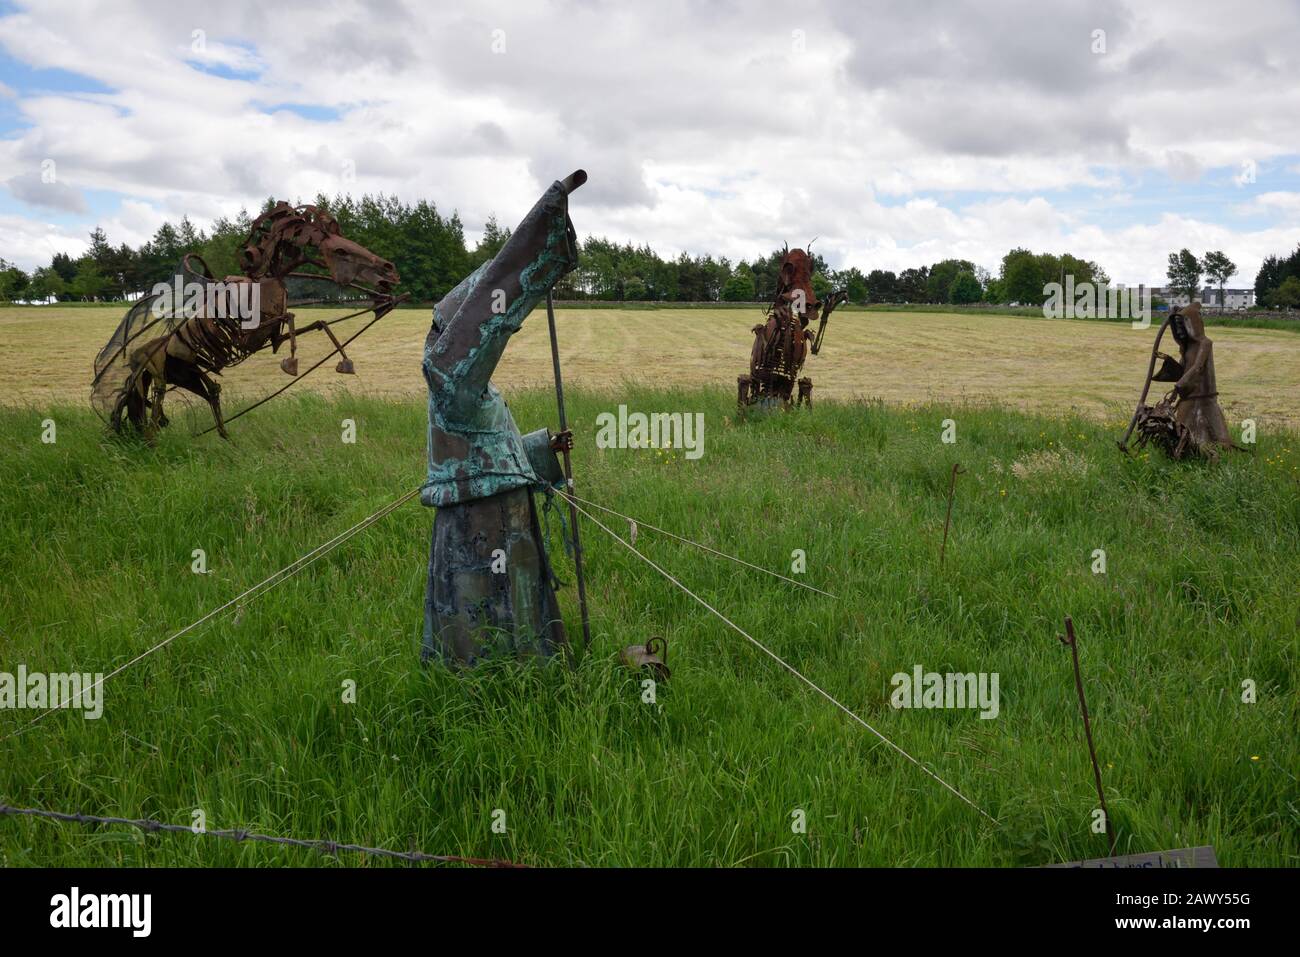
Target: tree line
x=1277, y=284
x=431, y=254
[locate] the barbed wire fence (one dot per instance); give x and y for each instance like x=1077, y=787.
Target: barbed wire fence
x=321, y=845
x=239, y=835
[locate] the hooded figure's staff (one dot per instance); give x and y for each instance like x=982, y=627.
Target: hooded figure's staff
x=568, y=467
x=1146, y=387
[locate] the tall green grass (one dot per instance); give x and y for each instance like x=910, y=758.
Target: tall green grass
x=244, y=717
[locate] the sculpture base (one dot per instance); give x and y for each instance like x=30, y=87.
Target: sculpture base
x=771, y=392
x=489, y=591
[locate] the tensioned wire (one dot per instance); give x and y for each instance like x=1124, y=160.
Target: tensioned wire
x=777, y=658
x=636, y=522
x=256, y=591
x=259, y=589
x=251, y=594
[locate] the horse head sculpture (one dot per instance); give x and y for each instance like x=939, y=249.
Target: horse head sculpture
x=285, y=238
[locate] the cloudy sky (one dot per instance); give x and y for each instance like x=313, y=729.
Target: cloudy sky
x=897, y=133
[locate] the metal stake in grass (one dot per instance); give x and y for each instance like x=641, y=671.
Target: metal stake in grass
x=1070, y=642
x=952, y=487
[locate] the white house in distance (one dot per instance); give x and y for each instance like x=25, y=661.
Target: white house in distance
x=1209, y=297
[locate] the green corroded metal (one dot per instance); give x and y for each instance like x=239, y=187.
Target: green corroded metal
x=490, y=590
x=475, y=448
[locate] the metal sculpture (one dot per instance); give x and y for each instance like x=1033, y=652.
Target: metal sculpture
x=782, y=343
x=1188, y=420
x=294, y=255
x=651, y=657
x=490, y=589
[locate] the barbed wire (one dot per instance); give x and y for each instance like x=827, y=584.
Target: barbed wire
x=241, y=834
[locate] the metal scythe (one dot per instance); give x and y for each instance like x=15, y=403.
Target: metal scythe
x=568, y=475
x=1146, y=387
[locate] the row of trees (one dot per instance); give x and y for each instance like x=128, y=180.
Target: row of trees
x=428, y=250
x=430, y=253
x=611, y=271
x=1277, y=284
x=1185, y=270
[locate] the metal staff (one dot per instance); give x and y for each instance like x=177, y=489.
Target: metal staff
x=1151, y=371
x=568, y=475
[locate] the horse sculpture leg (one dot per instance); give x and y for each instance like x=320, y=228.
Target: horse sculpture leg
x=214, y=400
x=156, y=418
x=290, y=362
x=149, y=387
x=805, y=392
x=345, y=364
x=191, y=378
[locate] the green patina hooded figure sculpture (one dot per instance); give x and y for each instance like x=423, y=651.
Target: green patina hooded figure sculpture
x=490, y=590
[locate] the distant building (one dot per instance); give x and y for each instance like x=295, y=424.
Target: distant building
x=1209, y=297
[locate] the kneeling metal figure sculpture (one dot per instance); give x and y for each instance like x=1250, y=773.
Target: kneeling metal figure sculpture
x=1188, y=420
x=490, y=589
x=294, y=255
x=782, y=343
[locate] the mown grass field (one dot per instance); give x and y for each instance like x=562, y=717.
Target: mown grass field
x=244, y=718
x=1093, y=368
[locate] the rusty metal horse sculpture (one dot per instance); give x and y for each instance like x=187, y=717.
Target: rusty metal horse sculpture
x=782, y=343
x=209, y=333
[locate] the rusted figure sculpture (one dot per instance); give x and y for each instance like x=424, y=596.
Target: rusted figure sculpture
x=782, y=343
x=490, y=590
x=294, y=255
x=1188, y=420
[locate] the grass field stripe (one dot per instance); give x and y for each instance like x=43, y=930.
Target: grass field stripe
x=270, y=582
x=712, y=551
x=786, y=665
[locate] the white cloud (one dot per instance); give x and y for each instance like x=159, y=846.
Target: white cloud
x=36, y=189
x=704, y=127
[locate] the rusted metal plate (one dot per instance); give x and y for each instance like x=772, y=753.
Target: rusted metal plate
x=1182, y=857
x=652, y=656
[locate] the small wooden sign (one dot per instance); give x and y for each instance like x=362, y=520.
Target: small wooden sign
x=1183, y=857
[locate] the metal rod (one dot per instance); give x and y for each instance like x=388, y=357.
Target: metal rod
x=1146, y=388
x=346, y=342
x=1087, y=726
x=568, y=476
x=952, y=487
